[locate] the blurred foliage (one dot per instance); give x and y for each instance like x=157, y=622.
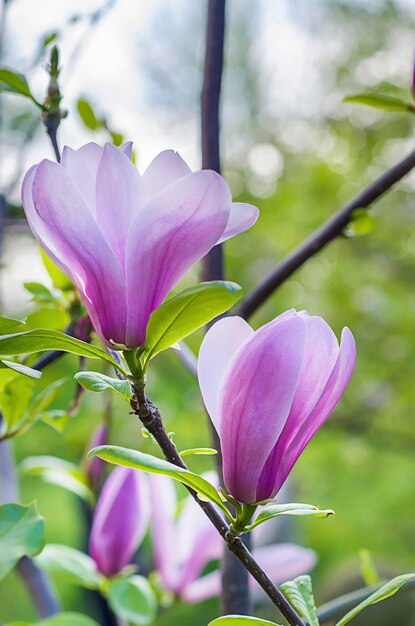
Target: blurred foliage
x=297, y=152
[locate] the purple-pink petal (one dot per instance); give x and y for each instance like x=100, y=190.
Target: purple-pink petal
x=163, y=170
x=172, y=231
x=241, y=217
x=120, y=520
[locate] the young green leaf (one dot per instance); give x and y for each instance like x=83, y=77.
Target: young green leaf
x=293, y=508
x=380, y=101
x=300, y=593
x=21, y=534
x=40, y=340
x=94, y=381
x=240, y=620
x=132, y=599
x=386, y=591
x=58, y=472
x=40, y=293
x=13, y=82
x=153, y=465
x=198, y=452
x=20, y=369
x=74, y=566
x=61, y=619
x=59, y=279
x=368, y=569
x=362, y=223
x=191, y=309
x=87, y=114
x=8, y=324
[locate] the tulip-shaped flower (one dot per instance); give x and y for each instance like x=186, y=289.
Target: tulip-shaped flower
x=120, y=520
x=184, y=545
x=268, y=392
x=124, y=239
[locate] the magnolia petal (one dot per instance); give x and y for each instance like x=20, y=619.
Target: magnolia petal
x=174, y=230
x=63, y=225
x=208, y=586
x=242, y=217
x=82, y=166
x=163, y=513
x=163, y=170
x=219, y=345
x=256, y=398
x=119, y=196
x=284, y=561
x=120, y=520
x=320, y=356
x=336, y=385
x=127, y=149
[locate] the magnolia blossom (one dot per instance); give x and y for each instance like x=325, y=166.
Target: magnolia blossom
x=184, y=545
x=268, y=392
x=120, y=520
x=124, y=239
x=94, y=468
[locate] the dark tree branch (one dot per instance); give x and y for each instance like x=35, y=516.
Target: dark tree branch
x=235, y=588
x=331, y=229
x=152, y=421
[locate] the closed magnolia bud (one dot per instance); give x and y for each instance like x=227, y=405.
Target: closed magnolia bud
x=268, y=392
x=120, y=520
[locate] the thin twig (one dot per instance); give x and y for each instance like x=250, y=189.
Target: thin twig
x=151, y=419
x=331, y=229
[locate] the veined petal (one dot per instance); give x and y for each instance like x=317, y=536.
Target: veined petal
x=174, y=230
x=82, y=166
x=120, y=520
x=163, y=512
x=219, y=345
x=255, y=402
x=64, y=226
x=284, y=561
x=119, y=196
x=320, y=356
x=242, y=217
x=163, y=170
x=336, y=385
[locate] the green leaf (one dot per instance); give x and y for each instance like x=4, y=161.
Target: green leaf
x=56, y=419
x=116, y=138
x=153, y=465
x=132, y=599
x=8, y=324
x=94, y=381
x=41, y=339
x=74, y=566
x=386, y=591
x=293, y=508
x=380, y=101
x=40, y=293
x=198, y=451
x=21, y=534
x=61, y=619
x=368, y=569
x=58, y=472
x=87, y=114
x=20, y=369
x=50, y=38
x=179, y=316
x=59, y=279
x=240, y=620
x=299, y=592
x=361, y=223
x=13, y=82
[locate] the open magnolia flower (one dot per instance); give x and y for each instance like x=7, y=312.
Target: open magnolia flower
x=268, y=392
x=124, y=239
x=184, y=545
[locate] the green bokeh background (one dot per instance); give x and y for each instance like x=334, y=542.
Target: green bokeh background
x=362, y=462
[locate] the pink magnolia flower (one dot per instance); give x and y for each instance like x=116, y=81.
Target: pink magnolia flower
x=120, y=520
x=124, y=239
x=184, y=545
x=94, y=468
x=268, y=392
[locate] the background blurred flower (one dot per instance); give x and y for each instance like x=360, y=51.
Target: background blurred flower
x=94, y=468
x=120, y=520
x=184, y=544
x=268, y=392
x=124, y=239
